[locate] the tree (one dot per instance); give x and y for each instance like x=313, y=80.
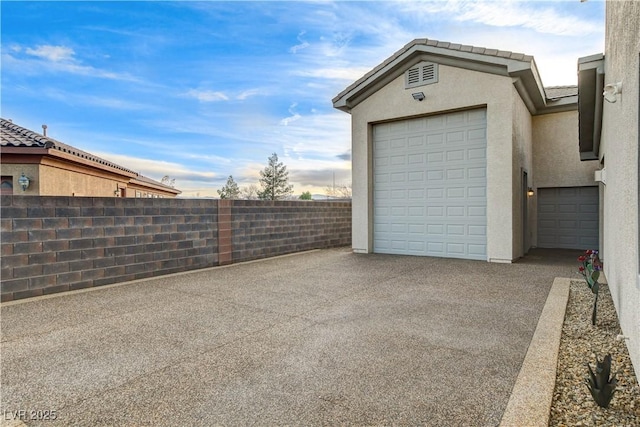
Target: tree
x=230, y=190
x=168, y=181
x=250, y=192
x=306, y=195
x=339, y=191
x=274, y=180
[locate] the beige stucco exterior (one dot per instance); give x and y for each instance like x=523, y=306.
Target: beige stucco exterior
x=55, y=180
x=51, y=177
x=532, y=138
x=394, y=102
x=521, y=161
x=619, y=153
x=57, y=169
x=556, y=159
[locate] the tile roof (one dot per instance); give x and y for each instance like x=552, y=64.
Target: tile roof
x=12, y=135
x=555, y=92
x=466, y=49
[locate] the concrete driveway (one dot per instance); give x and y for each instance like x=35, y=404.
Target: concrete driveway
x=319, y=338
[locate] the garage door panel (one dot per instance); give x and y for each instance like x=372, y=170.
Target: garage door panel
x=415, y=193
x=568, y=218
x=435, y=157
x=435, y=175
x=455, y=137
x=477, y=173
x=435, y=211
x=415, y=141
x=476, y=192
x=455, y=155
x=477, y=134
x=476, y=154
x=477, y=230
x=477, y=116
x=456, y=193
x=415, y=159
x=436, y=139
x=589, y=208
x=416, y=176
x=441, y=197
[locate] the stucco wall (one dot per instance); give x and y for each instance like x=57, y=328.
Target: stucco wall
x=31, y=171
x=556, y=159
x=619, y=146
x=63, y=182
x=522, y=161
x=457, y=89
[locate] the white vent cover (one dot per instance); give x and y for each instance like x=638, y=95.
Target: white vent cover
x=421, y=74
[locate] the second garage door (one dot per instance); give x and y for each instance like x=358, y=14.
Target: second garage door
x=429, y=186
x=568, y=218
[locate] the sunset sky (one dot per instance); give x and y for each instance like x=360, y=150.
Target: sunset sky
x=203, y=90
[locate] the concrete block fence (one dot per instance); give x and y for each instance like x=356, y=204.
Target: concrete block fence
x=55, y=244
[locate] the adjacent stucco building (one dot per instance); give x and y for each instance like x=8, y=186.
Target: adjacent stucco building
x=609, y=133
x=57, y=169
x=459, y=151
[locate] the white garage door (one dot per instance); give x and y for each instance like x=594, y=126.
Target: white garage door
x=429, y=186
x=568, y=218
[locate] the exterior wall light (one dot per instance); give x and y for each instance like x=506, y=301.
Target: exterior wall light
x=24, y=182
x=611, y=90
x=418, y=96
x=530, y=192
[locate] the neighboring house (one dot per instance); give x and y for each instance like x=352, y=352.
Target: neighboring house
x=459, y=151
x=56, y=169
x=609, y=133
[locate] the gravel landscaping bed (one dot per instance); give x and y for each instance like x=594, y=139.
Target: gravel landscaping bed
x=580, y=343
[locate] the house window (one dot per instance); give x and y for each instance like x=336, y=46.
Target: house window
x=6, y=185
x=421, y=74
x=138, y=194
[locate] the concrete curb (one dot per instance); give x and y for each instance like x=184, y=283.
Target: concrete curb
x=530, y=401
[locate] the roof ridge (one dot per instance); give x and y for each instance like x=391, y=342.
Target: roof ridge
x=48, y=142
x=472, y=49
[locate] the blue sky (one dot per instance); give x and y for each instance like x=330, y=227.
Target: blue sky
x=203, y=90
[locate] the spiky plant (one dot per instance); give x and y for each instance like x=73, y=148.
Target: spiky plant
x=590, y=268
x=600, y=385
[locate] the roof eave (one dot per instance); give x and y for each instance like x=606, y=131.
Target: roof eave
x=590, y=88
x=522, y=70
x=53, y=152
x=156, y=186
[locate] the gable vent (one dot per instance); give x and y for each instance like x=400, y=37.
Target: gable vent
x=421, y=74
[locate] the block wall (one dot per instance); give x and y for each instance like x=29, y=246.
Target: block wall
x=56, y=244
x=264, y=228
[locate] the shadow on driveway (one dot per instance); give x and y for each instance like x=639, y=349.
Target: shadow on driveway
x=322, y=337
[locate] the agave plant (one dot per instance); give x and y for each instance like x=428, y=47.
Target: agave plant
x=600, y=385
x=590, y=268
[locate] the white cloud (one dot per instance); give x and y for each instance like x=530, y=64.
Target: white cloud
x=207, y=95
x=156, y=169
x=249, y=93
x=52, y=53
x=334, y=73
x=294, y=116
x=46, y=58
x=302, y=45
x=536, y=16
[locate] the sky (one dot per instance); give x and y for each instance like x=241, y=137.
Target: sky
x=203, y=90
